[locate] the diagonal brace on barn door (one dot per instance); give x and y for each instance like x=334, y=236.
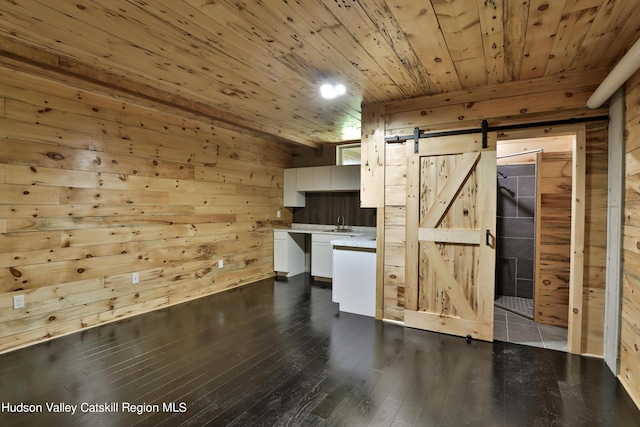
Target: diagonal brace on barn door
x=450, y=190
x=449, y=282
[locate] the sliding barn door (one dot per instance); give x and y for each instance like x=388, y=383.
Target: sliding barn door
x=451, y=240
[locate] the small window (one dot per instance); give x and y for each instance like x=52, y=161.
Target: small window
x=348, y=154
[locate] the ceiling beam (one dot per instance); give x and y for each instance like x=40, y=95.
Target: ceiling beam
x=65, y=66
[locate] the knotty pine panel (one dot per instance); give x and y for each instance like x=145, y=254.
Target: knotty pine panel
x=553, y=243
x=596, y=195
x=475, y=112
x=93, y=105
x=567, y=81
x=15, y=243
x=92, y=125
x=12, y=129
x=94, y=187
x=96, y=291
x=42, y=224
x=226, y=171
x=37, y=155
x=542, y=25
x=633, y=135
x=52, y=293
x=31, y=256
x=632, y=211
x=630, y=330
x=395, y=200
x=68, y=211
x=18, y=194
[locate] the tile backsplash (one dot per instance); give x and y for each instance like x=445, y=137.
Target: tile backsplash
x=324, y=208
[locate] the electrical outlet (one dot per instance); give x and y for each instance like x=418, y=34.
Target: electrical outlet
x=18, y=302
x=220, y=264
x=135, y=278
x=278, y=214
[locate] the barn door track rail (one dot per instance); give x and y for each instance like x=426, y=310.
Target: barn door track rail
x=484, y=129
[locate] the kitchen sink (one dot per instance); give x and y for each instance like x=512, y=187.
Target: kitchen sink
x=335, y=230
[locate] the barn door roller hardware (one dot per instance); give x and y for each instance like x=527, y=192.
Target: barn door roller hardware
x=419, y=134
x=485, y=129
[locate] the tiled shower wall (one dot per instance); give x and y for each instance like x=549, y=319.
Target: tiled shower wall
x=516, y=230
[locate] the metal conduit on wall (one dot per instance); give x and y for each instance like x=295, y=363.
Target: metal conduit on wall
x=628, y=65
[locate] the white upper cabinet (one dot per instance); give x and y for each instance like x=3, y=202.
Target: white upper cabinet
x=320, y=178
x=305, y=179
x=345, y=178
x=341, y=178
x=329, y=178
x=314, y=178
x=292, y=197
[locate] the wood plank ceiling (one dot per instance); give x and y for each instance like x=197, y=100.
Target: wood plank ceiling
x=259, y=64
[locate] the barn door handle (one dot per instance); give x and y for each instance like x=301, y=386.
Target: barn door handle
x=488, y=238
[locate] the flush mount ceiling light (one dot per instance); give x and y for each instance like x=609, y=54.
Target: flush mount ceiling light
x=329, y=91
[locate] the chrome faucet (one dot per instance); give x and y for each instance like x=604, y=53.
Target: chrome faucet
x=340, y=222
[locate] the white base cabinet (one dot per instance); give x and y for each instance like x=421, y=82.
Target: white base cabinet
x=354, y=281
x=288, y=253
x=321, y=256
x=294, y=252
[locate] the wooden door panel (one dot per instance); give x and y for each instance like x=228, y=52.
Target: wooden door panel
x=450, y=269
x=440, y=187
x=447, y=275
x=452, y=213
x=449, y=325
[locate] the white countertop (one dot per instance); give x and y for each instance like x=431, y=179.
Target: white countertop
x=364, y=241
x=357, y=237
x=328, y=229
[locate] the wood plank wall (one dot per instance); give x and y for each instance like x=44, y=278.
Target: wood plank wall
x=630, y=322
x=595, y=239
x=519, y=102
x=553, y=239
x=94, y=187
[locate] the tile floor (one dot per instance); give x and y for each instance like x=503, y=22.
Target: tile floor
x=517, y=329
x=523, y=306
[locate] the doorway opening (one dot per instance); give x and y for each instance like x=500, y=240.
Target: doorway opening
x=534, y=196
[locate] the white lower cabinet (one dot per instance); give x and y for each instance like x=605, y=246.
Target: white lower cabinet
x=321, y=255
x=291, y=253
x=288, y=253
x=354, y=281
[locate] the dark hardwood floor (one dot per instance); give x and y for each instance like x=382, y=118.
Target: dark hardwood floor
x=280, y=353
